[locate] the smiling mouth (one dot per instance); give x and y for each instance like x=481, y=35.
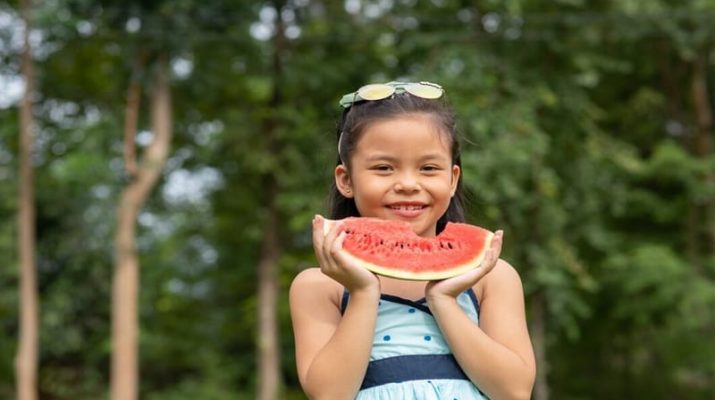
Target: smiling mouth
x=407, y=207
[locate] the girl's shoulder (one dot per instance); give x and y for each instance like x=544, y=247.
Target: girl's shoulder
x=313, y=277
x=311, y=282
x=503, y=277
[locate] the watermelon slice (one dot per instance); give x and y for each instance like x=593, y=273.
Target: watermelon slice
x=391, y=248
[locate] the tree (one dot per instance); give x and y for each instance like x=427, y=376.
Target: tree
x=125, y=330
x=27, y=355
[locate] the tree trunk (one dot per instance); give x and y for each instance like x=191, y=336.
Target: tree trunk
x=131, y=117
x=268, y=344
x=538, y=337
x=26, y=359
x=675, y=105
x=702, y=145
x=269, y=373
x=125, y=289
x=538, y=301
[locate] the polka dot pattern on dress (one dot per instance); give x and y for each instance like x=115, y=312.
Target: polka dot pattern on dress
x=406, y=327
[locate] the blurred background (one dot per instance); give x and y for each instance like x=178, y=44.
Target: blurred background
x=587, y=136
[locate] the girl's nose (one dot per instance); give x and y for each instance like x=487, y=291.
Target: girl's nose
x=407, y=183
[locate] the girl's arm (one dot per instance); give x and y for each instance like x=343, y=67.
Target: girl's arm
x=333, y=351
x=496, y=354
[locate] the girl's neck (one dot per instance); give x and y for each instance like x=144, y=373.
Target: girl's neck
x=412, y=290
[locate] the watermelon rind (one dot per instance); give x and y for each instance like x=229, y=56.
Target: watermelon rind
x=396, y=271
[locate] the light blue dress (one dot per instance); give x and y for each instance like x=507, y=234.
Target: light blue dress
x=410, y=358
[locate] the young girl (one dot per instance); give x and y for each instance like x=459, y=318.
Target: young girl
x=359, y=335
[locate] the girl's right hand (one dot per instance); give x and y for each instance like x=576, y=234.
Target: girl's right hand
x=333, y=262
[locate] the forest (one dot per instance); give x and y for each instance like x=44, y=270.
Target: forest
x=161, y=162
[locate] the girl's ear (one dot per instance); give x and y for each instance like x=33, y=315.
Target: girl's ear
x=456, y=171
x=343, y=182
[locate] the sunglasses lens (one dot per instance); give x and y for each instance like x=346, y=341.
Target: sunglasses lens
x=424, y=91
x=375, y=91
x=379, y=91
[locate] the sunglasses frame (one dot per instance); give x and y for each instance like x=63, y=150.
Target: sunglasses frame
x=381, y=91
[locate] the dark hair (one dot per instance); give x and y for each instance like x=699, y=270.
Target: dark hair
x=355, y=119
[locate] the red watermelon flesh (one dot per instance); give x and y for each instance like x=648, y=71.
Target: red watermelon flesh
x=391, y=248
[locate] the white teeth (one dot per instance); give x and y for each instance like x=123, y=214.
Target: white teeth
x=409, y=208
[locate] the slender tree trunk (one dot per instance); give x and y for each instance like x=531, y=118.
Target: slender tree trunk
x=26, y=359
x=538, y=337
x=702, y=106
x=269, y=373
x=669, y=71
x=268, y=344
x=537, y=303
x=125, y=290
x=702, y=144
x=131, y=117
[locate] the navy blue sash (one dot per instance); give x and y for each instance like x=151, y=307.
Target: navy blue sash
x=411, y=368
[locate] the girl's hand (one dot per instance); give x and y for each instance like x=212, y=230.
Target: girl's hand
x=333, y=262
x=452, y=287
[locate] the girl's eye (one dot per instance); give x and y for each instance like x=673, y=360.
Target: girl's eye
x=382, y=167
x=430, y=168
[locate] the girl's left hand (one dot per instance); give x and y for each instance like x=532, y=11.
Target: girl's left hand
x=452, y=287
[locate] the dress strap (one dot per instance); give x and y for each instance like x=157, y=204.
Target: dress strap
x=475, y=300
x=344, y=301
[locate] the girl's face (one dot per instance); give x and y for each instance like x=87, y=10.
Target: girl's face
x=401, y=169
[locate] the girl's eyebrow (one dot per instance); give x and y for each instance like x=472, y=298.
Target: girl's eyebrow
x=434, y=156
x=387, y=157
x=381, y=157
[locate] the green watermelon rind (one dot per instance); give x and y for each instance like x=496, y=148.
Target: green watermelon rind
x=427, y=275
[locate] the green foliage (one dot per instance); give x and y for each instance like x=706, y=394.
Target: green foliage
x=578, y=127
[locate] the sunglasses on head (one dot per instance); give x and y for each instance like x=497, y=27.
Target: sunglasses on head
x=380, y=91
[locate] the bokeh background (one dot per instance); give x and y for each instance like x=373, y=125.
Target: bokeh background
x=587, y=136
